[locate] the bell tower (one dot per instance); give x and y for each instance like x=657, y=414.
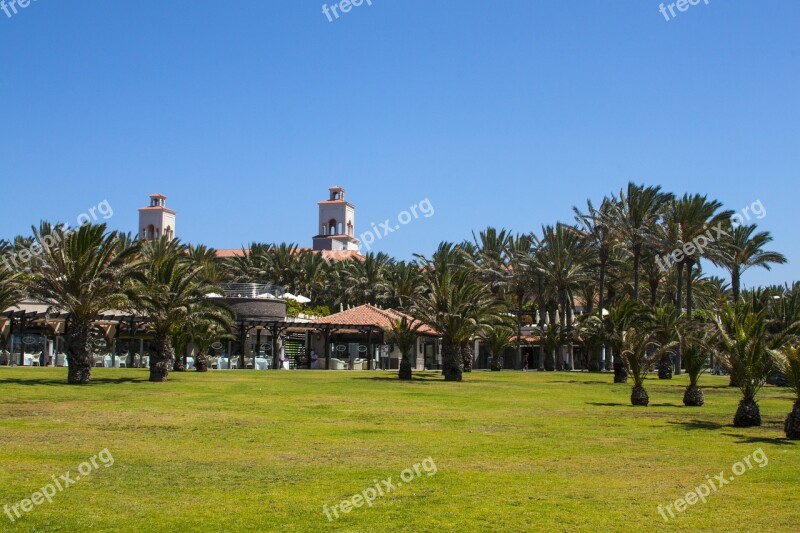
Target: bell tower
x=156, y=219
x=337, y=223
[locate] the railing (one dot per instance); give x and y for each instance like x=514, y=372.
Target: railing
x=252, y=290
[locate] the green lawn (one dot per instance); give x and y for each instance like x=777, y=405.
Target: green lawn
x=264, y=451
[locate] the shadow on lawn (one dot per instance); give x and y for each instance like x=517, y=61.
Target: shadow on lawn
x=698, y=424
x=599, y=404
x=780, y=441
x=584, y=382
x=63, y=382
x=416, y=377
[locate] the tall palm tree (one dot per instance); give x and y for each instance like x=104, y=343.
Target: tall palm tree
x=204, y=333
x=637, y=210
x=403, y=283
x=368, y=279
x=83, y=276
x=739, y=250
x=171, y=292
x=10, y=293
x=563, y=259
x=312, y=269
x=453, y=302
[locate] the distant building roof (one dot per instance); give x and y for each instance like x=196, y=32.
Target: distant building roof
x=331, y=255
x=369, y=315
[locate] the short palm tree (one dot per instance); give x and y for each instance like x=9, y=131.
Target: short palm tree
x=622, y=318
x=10, y=293
x=788, y=361
x=171, y=292
x=695, y=358
x=83, y=276
x=404, y=335
x=204, y=333
x=640, y=354
x=498, y=337
x=741, y=341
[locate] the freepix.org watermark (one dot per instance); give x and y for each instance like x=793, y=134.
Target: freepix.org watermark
x=381, y=488
x=714, y=484
x=12, y=261
x=12, y=7
x=424, y=208
x=58, y=484
x=344, y=6
x=681, y=5
x=698, y=245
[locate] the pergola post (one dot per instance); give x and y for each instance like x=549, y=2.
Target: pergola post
x=275, y=362
x=258, y=346
x=370, y=353
x=22, y=344
x=327, y=349
x=242, y=341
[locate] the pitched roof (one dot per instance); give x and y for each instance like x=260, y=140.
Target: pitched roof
x=369, y=315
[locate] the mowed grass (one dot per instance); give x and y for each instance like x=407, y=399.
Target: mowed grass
x=264, y=451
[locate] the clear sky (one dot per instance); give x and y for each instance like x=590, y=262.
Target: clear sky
x=502, y=113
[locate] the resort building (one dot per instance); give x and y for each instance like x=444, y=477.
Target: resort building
x=156, y=219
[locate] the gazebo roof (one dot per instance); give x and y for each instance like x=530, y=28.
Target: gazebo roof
x=369, y=315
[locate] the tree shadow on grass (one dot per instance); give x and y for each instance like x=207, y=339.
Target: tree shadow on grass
x=666, y=405
x=415, y=378
x=699, y=424
x=609, y=404
x=573, y=381
x=779, y=441
x=63, y=382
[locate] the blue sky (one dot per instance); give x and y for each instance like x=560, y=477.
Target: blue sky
x=500, y=113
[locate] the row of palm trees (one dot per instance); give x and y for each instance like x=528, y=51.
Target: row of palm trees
x=489, y=286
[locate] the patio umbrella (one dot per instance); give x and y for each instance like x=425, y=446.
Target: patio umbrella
x=302, y=299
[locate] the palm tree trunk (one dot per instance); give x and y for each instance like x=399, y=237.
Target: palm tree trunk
x=451, y=361
x=201, y=362
x=735, y=285
x=163, y=358
x=689, y=289
x=636, y=260
x=79, y=353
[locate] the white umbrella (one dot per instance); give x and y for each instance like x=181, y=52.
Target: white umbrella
x=213, y=295
x=302, y=299
x=289, y=296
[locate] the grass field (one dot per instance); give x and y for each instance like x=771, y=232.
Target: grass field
x=264, y=451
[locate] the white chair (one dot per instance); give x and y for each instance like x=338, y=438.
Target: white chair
x=122, y=361
x=36, y=359
x=233, y=363
x=213, y=363
x=145, y=362
x=190, y=363
x=27, y=359
x=261, y=363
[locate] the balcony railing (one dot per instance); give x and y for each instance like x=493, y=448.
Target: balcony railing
x=252, y=290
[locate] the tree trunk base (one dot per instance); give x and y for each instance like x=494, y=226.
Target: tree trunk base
x=792, y=426
x=201, y=365
x=78, y=375
x=747, y=415
x=405, y=371
x=693, y=397
x=179, y=366
x=159, y=371
x=664, y=368
x=620, y=374
x=639, y=397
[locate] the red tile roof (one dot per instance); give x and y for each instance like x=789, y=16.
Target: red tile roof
x=369, y=315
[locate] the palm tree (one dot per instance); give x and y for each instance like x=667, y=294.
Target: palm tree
x=83, y=276
x=10, y=293
x=368, y=279
x=665, y=324
x=597, y=226
x=739, y=250
x=403, y=282
x=741, y=342
x=170, y=292
x=498, y=336
x=696, y=360
x=640, y=354
x=788, y=361
x=404, y=335
x=637, y=211
x=564, y=260
x=454, y=303
x=622, y=318
x=204, y=333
